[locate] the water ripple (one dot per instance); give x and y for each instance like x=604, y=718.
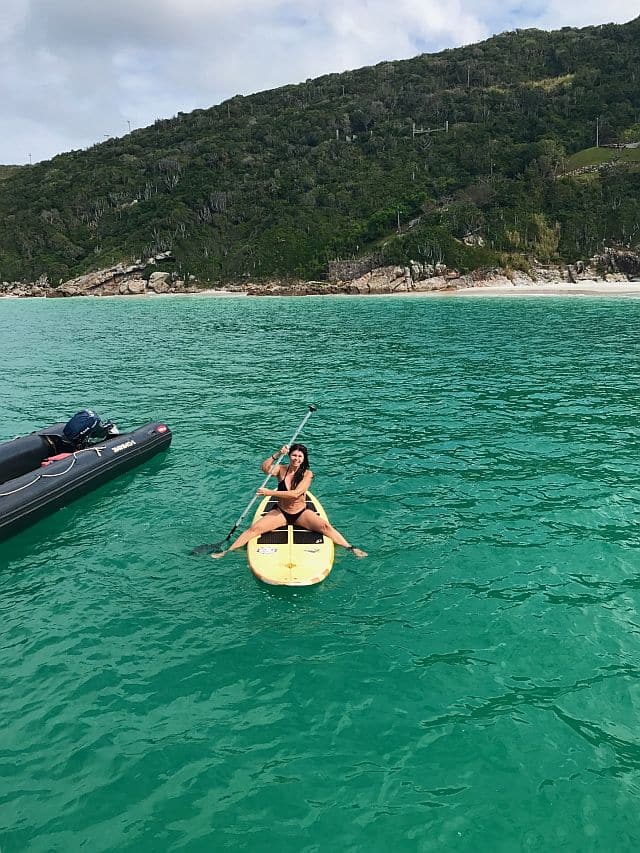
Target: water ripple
x=469, y=686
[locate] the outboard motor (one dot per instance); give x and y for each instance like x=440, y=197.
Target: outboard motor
x=84, y=426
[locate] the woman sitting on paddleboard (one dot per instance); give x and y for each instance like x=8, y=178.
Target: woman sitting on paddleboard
x=294, y=480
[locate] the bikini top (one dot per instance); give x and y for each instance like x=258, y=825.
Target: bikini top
x=282, y=485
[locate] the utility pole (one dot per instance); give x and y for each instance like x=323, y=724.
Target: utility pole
x=129, y=123
x=415, y=131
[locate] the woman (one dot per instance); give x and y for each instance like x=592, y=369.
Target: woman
x=294, y=480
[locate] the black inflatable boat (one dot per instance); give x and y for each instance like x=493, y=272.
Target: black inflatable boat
x=36, y=478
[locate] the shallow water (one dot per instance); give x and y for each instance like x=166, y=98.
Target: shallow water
x=472, y=685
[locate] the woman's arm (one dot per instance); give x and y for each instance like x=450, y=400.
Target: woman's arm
x=269, y=464
x=299, y=490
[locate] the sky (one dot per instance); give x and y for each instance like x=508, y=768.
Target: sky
x=77, y=72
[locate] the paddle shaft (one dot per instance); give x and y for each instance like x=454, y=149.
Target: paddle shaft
x=312, y=409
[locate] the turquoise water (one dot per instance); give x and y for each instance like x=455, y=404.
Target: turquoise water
x=473, y=685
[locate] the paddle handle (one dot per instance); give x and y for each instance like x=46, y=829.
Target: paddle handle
x=312, y=409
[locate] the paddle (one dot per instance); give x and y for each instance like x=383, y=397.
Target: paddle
x=216, y=547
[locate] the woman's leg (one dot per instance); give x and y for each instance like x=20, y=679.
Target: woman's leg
x=311, y=521
x=271, y=521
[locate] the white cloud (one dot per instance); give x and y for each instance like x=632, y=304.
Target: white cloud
x=75, y=71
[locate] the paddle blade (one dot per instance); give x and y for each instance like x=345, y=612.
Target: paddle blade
x=210, y=548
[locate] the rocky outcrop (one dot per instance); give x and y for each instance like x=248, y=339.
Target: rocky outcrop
x=347, y=270
x=618, y=262
x=23, y=289
x=122, y=279
x=160, y=282
x=134, y=279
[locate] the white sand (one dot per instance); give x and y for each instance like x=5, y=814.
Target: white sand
x=561, y=288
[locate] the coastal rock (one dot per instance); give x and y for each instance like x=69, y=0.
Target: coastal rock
x=360, y=277
x=383, y=280
x=618, y=261
x=20, y=289
x=160, y=282
x=136, y=286
x=340, y=271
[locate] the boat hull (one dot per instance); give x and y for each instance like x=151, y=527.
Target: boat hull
x=39, y=492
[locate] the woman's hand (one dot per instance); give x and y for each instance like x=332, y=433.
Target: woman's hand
x=278, y=454
x=264, y=492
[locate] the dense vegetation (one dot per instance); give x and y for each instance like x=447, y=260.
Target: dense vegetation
x=282, y=182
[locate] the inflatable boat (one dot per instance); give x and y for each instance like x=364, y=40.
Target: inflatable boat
x=36, y=478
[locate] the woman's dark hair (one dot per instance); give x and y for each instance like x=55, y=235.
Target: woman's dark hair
x=297, y=477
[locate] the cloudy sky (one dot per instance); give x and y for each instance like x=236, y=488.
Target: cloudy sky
x=75, y=72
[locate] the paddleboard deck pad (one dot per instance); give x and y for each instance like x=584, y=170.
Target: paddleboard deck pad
x=290, y=555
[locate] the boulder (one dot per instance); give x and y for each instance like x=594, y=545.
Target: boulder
x=135, y=286
x=382, y=280
x=160, y=282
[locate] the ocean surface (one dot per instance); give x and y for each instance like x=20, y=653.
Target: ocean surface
x=473, y=685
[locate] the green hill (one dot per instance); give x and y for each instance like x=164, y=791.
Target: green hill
x=471, y=141
x=7, y=171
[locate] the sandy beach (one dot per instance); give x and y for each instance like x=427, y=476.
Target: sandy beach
x=499, y=290
x=541, y=289
x=561, y=288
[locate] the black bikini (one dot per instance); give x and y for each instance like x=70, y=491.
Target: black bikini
x=291, y=517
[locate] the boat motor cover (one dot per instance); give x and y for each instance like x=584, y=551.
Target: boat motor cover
x=85, y=425
x=22, y=455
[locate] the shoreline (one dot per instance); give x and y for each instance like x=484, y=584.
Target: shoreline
x=583, y=289
x=615, y=272
x=561, y=288
x=488, y=290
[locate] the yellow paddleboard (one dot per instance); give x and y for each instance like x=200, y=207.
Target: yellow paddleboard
x=290, y=555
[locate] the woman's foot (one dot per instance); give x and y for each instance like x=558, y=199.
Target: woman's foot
x=357, y=552
x=218, y=555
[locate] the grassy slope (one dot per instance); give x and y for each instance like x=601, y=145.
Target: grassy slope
x=598, y=156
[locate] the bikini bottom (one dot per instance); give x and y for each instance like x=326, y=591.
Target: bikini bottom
x=292, y=517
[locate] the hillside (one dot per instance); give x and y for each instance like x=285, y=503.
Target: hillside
x=403, y=160
x=6, y=171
